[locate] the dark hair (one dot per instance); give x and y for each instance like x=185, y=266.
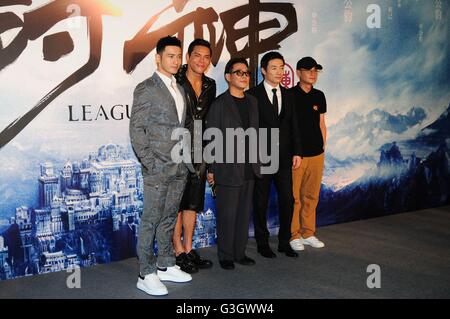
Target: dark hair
x=232, y=62
x=199, y=42
x=269, y=57
x=167, y=41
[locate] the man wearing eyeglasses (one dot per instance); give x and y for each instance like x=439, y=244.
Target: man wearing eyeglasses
x=310, y=105
x=234, y=180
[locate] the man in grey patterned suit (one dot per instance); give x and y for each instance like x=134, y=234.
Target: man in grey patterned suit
x=158, y=110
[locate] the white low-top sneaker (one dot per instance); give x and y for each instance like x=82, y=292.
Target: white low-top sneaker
x=174, y=274
x=152, y=285
x=297, y=245
x=313, y=242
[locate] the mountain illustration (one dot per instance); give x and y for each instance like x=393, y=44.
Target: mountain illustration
x=401, y=181
x=356, y=135
x=439, y=130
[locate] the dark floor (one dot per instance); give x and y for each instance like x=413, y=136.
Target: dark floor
x=413, y=251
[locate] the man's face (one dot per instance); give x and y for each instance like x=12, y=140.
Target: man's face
x=239, y=77
x=274, y=73
x=308, y=76
x=199, y=60
x=170, y=60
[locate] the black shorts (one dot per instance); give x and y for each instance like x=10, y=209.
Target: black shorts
x=194, y=193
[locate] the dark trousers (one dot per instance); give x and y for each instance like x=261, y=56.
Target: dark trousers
x=233, y=218
x=283, y=185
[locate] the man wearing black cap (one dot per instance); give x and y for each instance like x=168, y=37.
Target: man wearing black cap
x=311, y=107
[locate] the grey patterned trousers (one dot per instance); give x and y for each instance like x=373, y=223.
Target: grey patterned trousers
x=161, y=202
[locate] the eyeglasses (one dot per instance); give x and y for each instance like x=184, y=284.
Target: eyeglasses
x=241, y=74
x=311, y=71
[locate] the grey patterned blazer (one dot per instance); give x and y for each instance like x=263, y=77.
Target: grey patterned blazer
x=153, y=118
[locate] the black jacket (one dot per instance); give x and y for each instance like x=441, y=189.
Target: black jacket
x=224, y=114
x=196, y=109
x=290, y=142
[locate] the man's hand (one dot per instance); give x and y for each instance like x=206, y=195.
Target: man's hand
x=210, y=178
x=296, y=162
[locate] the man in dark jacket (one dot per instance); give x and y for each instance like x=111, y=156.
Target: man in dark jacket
x=200, y=92
x=276, y=111
x=234, y=178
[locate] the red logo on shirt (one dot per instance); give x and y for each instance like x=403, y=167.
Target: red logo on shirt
x=316, y=108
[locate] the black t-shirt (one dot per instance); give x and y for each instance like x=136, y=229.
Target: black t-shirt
x=242, y=105
x=308, y=107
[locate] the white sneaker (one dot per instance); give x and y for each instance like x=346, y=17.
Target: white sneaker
x=297, y=245
x=152, y=285
x=174, y=274
x=313, y=242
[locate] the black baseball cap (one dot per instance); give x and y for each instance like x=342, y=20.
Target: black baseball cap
x=308, y=63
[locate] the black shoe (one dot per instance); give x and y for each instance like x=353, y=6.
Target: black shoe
x=266, y=252
x=185, y=264
x=288, y=251
x=226, y=264
x=198, y=261
x=246, y=261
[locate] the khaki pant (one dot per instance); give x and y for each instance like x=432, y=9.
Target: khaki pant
x=306, y=181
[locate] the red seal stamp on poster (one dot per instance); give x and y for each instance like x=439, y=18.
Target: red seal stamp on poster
x=288, y=77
